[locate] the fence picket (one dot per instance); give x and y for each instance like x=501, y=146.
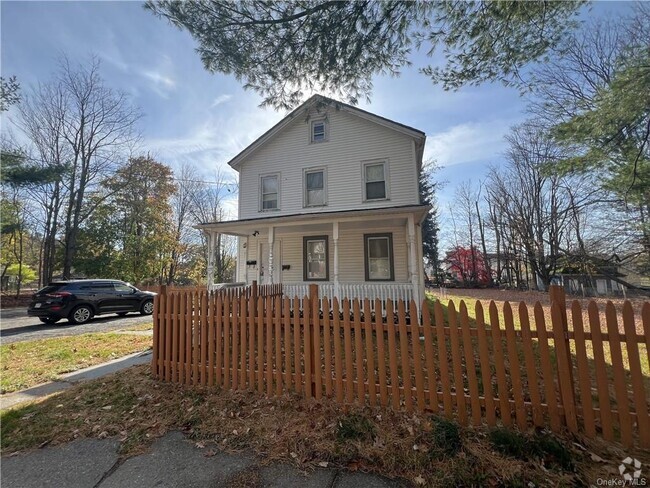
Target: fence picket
x=278, y=345
x=234, y=365
x=486, y=371
x=358, y=350
x=622, y=401
x=470, y=367
x=349, y=371
x=316, y=357
x=251, y=341
x=296, y=345
x=227, y=304
x=327, y=347
x=174, y=325
x=243, y=346
x=547, y=368
x=338, y=353
x=188, y=337
x=222, y=307
x=638, y=389
x=268, y=366
x=565, y=374
x=392, y=354
x=602, y=383
x=286, y=307
x=515, y=373
x=531, y=369
x=381, y=355
x=215, y=305
x=181, y=339
x=583, y=370
x=429, y=358
x=499, y=362
x=307, y=347
x=260, y=344
x=457, y=365
x=370, y=352
x=404, y=352
x=417, y=356
x=445, y=379
x=156, y=334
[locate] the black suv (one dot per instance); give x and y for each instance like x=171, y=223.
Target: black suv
x=79, y=300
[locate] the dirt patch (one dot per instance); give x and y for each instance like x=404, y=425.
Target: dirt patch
x=137, y=409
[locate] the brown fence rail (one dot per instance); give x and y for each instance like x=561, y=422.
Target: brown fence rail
x=513, y=367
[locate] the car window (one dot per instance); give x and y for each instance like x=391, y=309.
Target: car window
x=103, y=287
x=49, y=289
x=122, y=288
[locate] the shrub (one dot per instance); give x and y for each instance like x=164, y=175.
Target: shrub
x=444, y=438
x=354, y=427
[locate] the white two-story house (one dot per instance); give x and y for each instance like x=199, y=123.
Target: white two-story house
x=329, y=195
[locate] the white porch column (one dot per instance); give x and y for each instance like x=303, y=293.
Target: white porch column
x=246, y=258
x=412, y=255
x=271, y=241
x=335, y=238
x=210, y=270
x=420, y=262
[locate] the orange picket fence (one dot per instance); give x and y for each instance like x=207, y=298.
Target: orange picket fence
x=513, y=367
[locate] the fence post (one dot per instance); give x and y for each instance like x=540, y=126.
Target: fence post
x=315, y=308
x=563, y=353
x=155, y=357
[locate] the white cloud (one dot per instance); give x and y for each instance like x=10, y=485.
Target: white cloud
x=220, y=100
x=468, y=142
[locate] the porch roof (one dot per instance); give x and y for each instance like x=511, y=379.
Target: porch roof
x=244, y=226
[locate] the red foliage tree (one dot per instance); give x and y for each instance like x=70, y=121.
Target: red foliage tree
x=468, y=266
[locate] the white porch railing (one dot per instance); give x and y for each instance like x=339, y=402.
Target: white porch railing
x=371, y=291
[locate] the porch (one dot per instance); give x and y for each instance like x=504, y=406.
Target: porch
x=370, y=253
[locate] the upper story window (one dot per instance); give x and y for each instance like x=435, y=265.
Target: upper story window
x=315, y=187
x=318, y=131
x=375, y=181
x=270, y=192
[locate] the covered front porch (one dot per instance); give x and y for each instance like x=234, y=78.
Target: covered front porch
x=371, y=253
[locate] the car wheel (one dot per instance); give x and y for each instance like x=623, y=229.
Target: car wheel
x=48, y=320
x=121, y=314
x=147, y=307
x=80, y=315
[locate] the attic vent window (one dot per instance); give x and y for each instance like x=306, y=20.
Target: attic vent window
x=318, y=131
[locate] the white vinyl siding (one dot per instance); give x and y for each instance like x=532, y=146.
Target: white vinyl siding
x=353, y=141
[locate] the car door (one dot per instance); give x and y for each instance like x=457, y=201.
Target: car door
x=105, y=297
x=126, y=298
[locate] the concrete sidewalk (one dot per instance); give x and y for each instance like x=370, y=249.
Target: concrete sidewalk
x=70, y=379
x=172, y=461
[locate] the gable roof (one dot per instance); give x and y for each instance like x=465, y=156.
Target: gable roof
x=321, y=101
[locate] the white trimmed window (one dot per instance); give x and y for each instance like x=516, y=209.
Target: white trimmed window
x=318, y=131
x=379, y=257
x=315, y=187
x=270, y=192
x=375, y=181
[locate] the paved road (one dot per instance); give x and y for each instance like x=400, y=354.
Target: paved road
x=16, y=326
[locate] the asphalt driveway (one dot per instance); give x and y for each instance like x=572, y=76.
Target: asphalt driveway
x=16, y=326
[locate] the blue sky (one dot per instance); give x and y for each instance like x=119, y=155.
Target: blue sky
x=194, y=116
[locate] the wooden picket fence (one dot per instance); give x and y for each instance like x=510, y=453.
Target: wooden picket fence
x=530, y=372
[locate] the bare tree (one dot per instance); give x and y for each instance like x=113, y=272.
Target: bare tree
x=88, y=130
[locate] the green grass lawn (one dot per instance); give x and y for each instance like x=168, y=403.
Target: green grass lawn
x=29, y=363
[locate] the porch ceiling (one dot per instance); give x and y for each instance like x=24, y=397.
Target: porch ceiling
x=322, y=221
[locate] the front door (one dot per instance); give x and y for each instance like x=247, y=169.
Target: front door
x=264, y=274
